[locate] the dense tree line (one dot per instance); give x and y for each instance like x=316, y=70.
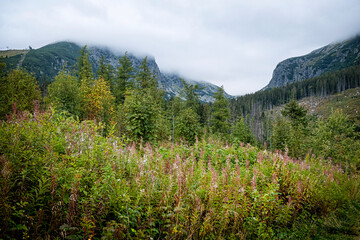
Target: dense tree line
x=253, y=106
x=126, y=102
x=322, y=86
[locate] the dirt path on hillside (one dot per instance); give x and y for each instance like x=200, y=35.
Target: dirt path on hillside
x=23, y=58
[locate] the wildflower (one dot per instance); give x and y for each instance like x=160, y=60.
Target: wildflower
x=274, y=178
x=253, y=183
x=300, y=186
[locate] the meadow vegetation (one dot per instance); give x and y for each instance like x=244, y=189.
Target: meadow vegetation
x=62, y=178
x=106, y=157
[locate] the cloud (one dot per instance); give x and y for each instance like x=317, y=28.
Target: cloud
x=232, y=43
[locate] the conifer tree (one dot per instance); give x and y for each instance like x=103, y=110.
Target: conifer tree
x=105, y=71
x=296, y=113
x=242, y=132
x=191, y=97
x=281, y=134
x=123, y=78
x=220, y=114
x=142, y=116
x=144, y=78
x=143, y=107
x=84, y=68
x=85, y=78
x=292, y=132
x=187, y=125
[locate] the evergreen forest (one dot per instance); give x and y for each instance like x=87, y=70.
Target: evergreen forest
x=103, y=155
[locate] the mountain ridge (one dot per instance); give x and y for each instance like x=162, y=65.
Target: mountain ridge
x=47, y=61
x=327, y=59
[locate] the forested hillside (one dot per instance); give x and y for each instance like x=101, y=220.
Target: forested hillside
x=104, y=155
x=254, y=106
x=46, y=62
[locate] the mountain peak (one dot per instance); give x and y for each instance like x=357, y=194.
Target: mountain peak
x=327, y=59
x=47, y=61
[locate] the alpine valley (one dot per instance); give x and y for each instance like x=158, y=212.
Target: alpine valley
x=90, y=149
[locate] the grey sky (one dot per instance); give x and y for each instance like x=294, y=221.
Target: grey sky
x=234, y=43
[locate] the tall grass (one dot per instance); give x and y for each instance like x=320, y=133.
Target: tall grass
x=61, y=179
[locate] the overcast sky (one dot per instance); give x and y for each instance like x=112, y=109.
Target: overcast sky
x=234, y=43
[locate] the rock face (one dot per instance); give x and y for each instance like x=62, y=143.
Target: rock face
x=169, y=82
x=47, y=61
x=326, y=59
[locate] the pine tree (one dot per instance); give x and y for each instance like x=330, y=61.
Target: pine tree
x=144, y=78
x=293, y=131
x=84, y=68
x=191, y=97
x=242, y=132
x=205, y=115
x=105, y=71
x=281, y=134
x=296, y=113
x=85, y=78
x=123, y=78
x=143, y=107
x=187, y=125
x=142, y=116
x=220, y=114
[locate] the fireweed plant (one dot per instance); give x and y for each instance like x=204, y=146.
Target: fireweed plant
x=62, y=179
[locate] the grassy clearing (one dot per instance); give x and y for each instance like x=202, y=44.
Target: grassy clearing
x=11, y=53
x=348, y=102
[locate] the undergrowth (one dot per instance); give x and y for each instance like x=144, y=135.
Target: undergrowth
x=61, y=179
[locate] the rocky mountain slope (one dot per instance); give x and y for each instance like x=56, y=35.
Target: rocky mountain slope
x=323, y=60
x=47, y=61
